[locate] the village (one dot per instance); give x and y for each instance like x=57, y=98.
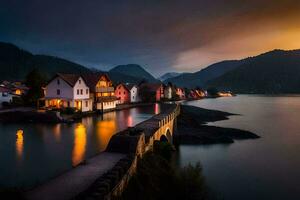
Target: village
x=88, y=92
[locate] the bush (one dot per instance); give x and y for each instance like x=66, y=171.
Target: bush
x=156, y=178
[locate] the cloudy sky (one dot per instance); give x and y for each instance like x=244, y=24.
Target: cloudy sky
x=160, y=35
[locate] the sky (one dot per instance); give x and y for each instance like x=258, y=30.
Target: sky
x=160, y=35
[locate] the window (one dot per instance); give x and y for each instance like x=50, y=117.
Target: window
x=79, y=81
x=87, y=91
x=81, y=91
x=58, y=92
x=86, y=104
x=119, y=93
x=124, y=92
x=58, y=81
x=77, y=91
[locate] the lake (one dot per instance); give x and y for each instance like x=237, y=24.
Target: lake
x=33, y=153
x=265, y=168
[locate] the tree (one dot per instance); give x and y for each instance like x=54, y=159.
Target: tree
x=34, y=81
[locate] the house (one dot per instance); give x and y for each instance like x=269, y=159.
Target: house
x=151, y=91
x=168, y=91
x=134, y=94
x=68, y=90
x=122, y=92
x=101, y=91
x=180, y=92
x=5, y=95
x=127, y=93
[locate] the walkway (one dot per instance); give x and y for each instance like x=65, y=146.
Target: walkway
x=77, y=180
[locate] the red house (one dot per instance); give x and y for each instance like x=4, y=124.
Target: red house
x=122, y=93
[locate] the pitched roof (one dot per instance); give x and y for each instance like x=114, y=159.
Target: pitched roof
x=129, y=86
x=71, y=79
x=92, y=79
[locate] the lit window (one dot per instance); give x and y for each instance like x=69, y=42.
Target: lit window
x=58, y=92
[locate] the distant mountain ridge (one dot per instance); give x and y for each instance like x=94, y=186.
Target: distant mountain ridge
x=199, y=79
x=274, y=72
x=134, y=70
x=169, y=75
x=16, y=63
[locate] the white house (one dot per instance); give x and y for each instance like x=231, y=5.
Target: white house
x=5, y=95
x=134, y=95
x=168, y=92
x=68, y=90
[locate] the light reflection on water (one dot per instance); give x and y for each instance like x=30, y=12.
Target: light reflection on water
x=19, y=144
x=33, y=153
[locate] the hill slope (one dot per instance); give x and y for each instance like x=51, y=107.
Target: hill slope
x=276, y=71
x=16, y=63
x=133, y=70
x=169, y=75
x=198, y=79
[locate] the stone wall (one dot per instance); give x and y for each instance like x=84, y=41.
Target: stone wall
x=134, y=142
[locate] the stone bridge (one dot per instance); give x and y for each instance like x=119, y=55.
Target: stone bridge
x=134, y=142
x=106, y=175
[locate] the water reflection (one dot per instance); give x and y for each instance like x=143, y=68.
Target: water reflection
x=57, y=132
x=79, y=144
x=19, y=144
x=157, y=108
x=105, y=130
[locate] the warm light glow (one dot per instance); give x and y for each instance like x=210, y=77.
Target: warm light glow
x=157, y=109
x=105, y=130
x=129, y=121
x=79, y=144
x=57, y=132
x=18, y=92
x=19, y=143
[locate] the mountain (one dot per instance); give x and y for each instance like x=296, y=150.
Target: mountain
x=169, y=75
x=16, y=63
x=277, y=71
x=199, y=79
x=133, y=70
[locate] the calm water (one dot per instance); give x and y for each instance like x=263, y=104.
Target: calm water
x=33, y=153
x=266, y=168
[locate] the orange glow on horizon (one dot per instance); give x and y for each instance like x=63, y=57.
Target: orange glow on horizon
x=79, y=144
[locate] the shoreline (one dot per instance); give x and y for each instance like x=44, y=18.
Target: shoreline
x=193, y=129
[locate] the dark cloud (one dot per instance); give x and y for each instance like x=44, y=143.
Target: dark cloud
x=160, y=35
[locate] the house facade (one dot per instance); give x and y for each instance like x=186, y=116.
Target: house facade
x=68, y=90
x=101, y=91
x=127, y=93
x=134, y=94
x=168, y=92
x=180, y=92
x=123, y=93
